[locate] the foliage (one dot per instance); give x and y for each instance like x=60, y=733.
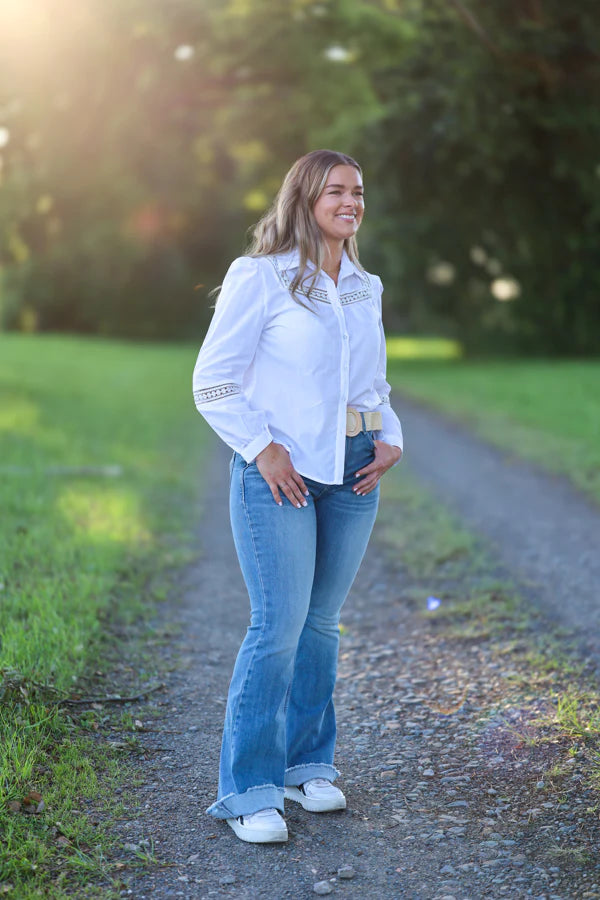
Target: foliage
x=489, y=155
x=144, y=138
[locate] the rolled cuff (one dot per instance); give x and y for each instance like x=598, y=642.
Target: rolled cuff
x=264, y=796
x=296, y=775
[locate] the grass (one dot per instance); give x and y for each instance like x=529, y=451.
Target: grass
x=546, y=412
x=578, y=716
x=99, y=445
x=425, y=536
x=445, y=561
x=427, y=348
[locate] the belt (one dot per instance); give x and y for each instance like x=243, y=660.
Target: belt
x=361, y=421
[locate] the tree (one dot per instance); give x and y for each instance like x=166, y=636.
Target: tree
x=489, y=166
x=141, y=139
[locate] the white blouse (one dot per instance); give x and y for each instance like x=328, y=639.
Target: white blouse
x=270, y=369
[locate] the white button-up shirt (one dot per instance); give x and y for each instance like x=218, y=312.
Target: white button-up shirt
x=272, y=370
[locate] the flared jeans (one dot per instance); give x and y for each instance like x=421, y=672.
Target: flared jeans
x=298, y=565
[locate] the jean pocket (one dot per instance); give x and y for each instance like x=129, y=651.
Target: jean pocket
x=370, y=438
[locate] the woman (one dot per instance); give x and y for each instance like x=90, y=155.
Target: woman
x=292, y=376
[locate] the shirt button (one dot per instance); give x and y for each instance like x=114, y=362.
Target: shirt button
x=345, y=337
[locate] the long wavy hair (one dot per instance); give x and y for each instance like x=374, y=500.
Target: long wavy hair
x=290, y=223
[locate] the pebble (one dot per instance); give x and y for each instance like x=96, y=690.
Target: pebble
x=322, y=888
x=346, y=872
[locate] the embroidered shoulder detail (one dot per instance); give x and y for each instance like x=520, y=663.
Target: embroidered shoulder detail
x=362, y=293
x=315, y=294
x=281, y=274
x=216, y=392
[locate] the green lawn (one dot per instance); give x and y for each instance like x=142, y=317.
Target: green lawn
x=546, y=412
x=100, y=455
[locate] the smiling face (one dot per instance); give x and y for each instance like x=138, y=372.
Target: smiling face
x=340, y=206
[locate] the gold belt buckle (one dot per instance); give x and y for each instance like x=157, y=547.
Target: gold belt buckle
x=353, y=422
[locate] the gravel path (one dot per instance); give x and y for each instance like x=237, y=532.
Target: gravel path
x=446, y=796
x=542, y=529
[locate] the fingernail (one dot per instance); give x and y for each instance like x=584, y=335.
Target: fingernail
x=280, y=503
x=304, y=503
x=306, y=493
x=357, y=475
x=298, y=506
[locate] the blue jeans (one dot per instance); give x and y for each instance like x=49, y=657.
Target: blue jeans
x=298, y=565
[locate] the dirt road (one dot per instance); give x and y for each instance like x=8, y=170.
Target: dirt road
x=447, y=798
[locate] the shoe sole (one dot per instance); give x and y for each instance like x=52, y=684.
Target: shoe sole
x=258, y=835
x=311, y=805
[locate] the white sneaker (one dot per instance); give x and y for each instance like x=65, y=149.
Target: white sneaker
x=317, y=795
x=263, y=827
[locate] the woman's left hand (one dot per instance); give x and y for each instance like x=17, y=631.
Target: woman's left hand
x=385, y=457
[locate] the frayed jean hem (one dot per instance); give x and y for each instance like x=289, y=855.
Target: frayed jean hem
x=296, y=775
x=265, y=796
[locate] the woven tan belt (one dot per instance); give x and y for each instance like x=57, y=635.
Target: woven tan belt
x=361, y=421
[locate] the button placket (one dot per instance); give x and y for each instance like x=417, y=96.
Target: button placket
x=334, y=295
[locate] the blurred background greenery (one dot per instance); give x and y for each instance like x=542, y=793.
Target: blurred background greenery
x=139, y=141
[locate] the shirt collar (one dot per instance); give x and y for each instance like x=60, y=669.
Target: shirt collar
x=291, y=260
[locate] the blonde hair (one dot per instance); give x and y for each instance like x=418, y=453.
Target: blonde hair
x=290, y=223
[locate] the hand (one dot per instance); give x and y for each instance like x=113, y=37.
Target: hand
x=275, y=466
x=385, y=457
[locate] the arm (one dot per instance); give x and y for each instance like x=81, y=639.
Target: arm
x=225, y=356
x=391, y=431
x=389, y=442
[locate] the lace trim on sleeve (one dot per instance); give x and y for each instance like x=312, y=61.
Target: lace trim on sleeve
x=206, y=395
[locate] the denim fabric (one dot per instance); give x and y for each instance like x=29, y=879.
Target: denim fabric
x=298, y=565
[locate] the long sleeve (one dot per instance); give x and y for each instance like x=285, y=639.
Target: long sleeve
x=227, y=354
x=391, y=431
